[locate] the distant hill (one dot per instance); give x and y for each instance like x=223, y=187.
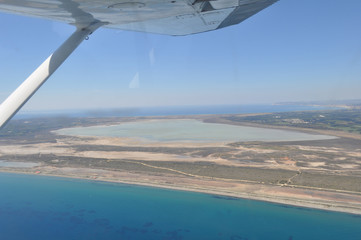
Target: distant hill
x=351, y=103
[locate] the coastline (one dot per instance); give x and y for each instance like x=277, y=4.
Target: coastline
x=105, y=148
x=296, y=196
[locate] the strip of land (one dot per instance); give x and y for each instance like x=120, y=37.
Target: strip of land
x=323, y=174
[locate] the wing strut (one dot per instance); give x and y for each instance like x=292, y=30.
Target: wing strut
x=27, y=89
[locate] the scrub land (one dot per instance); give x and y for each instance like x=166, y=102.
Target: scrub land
x=322, y=173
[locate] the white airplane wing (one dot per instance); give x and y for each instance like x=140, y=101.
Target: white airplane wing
x=171, y=17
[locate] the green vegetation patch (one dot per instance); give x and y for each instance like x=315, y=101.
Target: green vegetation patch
x=340, y=120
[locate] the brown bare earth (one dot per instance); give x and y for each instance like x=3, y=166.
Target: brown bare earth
x=322, y=174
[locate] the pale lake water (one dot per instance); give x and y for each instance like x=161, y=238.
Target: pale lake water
x=190, y=130
x=39, y=207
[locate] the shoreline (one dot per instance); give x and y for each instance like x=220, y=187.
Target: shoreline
x=289, y=193
x=316, y=201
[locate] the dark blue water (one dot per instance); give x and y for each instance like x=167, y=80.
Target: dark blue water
x=36, y=207
x=174, y=110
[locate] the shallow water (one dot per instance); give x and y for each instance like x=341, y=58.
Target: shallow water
x=38, y=207
x=191, y=130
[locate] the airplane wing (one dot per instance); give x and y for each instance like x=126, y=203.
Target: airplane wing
x=171, y=17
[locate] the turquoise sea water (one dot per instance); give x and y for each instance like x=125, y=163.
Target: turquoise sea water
x=191, y=130
x=38, y=207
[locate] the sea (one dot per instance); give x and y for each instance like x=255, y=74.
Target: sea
x=169, y=111
x=41, y=207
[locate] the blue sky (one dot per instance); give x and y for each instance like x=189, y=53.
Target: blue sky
x=292, y=51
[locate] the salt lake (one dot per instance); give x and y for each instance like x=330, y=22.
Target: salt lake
x=190, y=130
